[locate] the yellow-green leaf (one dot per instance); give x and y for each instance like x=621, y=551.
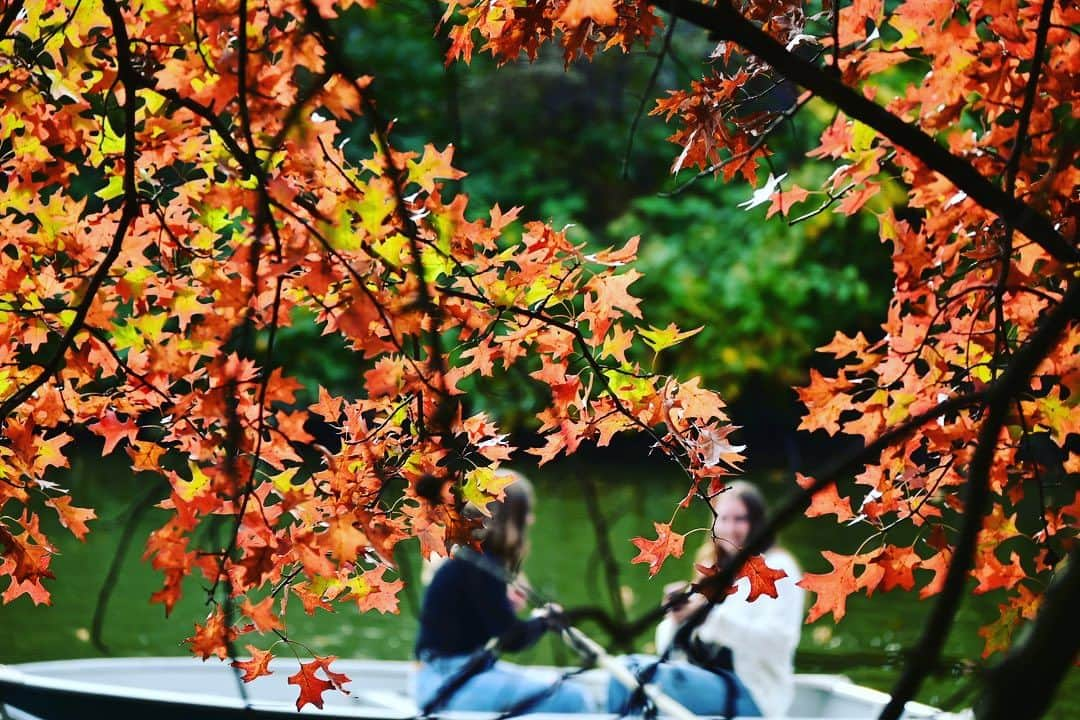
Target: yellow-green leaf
x=661, y=339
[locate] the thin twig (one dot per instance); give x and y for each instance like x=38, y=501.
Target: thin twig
x=645, y=95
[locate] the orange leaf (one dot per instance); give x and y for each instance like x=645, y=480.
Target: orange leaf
x=655, y=552
x=257, y=666
x=939, y=563
x=210, y=639
x=782, y=200
x=832, y=588
x=826, y=501
x=311, y=686
x=73, y=518
x=577, y=11
x=762, y=578
x=110, y=428
x=262, y=614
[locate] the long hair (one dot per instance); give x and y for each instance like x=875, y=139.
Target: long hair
x=504, y=533
x=713, y=553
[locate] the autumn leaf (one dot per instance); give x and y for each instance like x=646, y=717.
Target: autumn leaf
x=577, y=11
x=113, y=430
x=262, y=614
x=783, y=200
x=897, y=564
x=826, y=501
x=763, y=194
x=670, y=336
x=73, y=518
x=212, y=638
x=257, y=666
x=434, y=165
x=484, y=485
x=999, y=633
x=825, y=400
x=311, y=686
x=654, y=552
x=761, y=577
x=160, y=303
x=831, y=588
x=611, y=293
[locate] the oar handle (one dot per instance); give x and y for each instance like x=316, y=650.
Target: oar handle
x=583, y=643
x=622, y=674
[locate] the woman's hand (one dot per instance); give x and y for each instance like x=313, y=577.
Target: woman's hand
x=681, y=611
x=552, y=615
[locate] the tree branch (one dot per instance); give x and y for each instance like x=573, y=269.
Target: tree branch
x=664, y=50
x=977, y=497
x=603, y=547
x=725, y=21
x=11, y=12
x=1039, y=662
x=126, y=73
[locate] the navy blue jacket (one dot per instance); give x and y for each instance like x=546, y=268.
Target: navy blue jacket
x=464, y=607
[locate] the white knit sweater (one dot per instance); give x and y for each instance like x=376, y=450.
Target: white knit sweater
x=762, y=635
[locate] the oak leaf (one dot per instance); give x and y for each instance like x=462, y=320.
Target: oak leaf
x=257, y=666
x=73, y=518
x=113, y=430
x=311, y=686
x=826, y=501
x=761, y=577
x=654, y=552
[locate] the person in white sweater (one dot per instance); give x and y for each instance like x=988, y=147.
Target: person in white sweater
x=739, y=660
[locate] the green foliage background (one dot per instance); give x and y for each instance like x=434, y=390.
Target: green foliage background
x=556, y=140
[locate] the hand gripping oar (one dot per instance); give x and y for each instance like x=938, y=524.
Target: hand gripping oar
x=581, y=643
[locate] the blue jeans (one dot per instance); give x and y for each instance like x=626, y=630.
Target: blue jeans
x=700, y=691
x=499, y=688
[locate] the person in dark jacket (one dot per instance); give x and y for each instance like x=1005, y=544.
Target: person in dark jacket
x=467, y=604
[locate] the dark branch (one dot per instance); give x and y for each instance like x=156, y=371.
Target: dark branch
x=645, y=95
x=134, y=515
x=1040, y=661
x=725, y=21
x=126, y=72
x=977, y=497
x=10, y=13
x=603, y=547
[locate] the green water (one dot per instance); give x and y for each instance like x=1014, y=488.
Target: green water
x=563, y=565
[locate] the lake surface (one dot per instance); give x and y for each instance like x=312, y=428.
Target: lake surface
x=563, y=564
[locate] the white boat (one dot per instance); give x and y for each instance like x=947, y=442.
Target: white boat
x=181, y=688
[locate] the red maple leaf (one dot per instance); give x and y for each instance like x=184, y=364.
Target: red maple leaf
x=257, y=666
x=762, y=577
x=655, y=552
x=611, y=293
x=262, y=614
x=328, y=405
x=113, y=430
x=338, y=679
x=312, y=686
x=832, y=588
x=73, y=518
x=600, y=11
x=898, y=564
x=782, y=200
x=210, y=639
x=31, y=588
x=826, y=501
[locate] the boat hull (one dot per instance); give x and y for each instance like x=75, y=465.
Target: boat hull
x=184, y=688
